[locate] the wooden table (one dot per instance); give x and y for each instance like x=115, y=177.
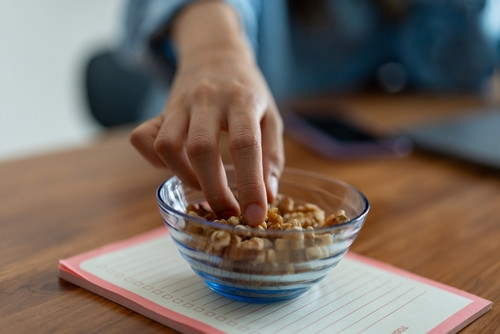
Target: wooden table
x=430, y=215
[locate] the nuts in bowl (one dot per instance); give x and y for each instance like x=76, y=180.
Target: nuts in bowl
x=308, y=229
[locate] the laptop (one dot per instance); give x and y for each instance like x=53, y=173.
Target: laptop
x=473, y=137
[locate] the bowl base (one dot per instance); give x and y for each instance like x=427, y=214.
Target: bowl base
x=255, y=295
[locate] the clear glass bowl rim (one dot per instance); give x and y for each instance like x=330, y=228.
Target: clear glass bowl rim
x=289, y=170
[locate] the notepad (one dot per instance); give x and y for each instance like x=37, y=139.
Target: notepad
x=147, y=274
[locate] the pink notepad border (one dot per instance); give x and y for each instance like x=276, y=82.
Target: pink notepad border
x=71, y=267
x=457, y=321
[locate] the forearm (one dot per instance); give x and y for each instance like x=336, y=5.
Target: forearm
x=208, y=29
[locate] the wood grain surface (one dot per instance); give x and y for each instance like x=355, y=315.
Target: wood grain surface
x=430, y=215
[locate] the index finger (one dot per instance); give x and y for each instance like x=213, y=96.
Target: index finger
x=204, y=155
x=246, y=151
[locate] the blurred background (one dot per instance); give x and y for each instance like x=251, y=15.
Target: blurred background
x=44, y=47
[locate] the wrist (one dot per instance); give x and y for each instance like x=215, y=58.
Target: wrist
x=208, y=31
x=216, y=56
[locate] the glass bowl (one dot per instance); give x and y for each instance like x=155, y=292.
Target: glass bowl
x=275, y=264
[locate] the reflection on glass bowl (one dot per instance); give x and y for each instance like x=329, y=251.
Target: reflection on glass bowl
x=284, y=263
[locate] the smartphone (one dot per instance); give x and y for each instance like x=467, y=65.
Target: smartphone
x=335, y=136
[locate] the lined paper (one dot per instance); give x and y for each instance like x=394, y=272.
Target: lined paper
x=358, y=296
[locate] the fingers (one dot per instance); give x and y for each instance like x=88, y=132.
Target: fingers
x=161, y=141
x=204, y=156
x=170, y=146
x=143, y=138
x=246, y=151
x=273, y=156
x=185, y=139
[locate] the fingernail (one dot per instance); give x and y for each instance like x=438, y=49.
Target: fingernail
x=272, y=183
x=254, y=214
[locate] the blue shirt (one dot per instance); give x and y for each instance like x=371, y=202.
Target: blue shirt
x=439, y=45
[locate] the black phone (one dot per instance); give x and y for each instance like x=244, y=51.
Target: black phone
x=335, y=136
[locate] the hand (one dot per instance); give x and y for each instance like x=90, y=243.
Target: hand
x=219, y=90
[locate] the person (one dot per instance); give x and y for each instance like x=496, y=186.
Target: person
x=222, y=65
